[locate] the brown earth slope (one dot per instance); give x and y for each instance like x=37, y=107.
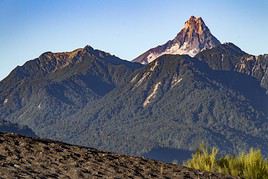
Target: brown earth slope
x=22, y=157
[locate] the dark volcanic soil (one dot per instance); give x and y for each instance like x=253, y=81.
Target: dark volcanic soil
x=22, y=157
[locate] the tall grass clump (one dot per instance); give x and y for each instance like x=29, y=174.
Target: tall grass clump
x=250, y=165
x=204, y=159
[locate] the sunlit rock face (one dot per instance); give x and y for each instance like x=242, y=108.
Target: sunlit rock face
x=193, y=38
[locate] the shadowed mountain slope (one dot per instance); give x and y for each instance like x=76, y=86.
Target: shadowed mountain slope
x=176, y=102
x=45, y=90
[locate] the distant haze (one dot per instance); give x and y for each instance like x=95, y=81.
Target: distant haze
x=123, y=28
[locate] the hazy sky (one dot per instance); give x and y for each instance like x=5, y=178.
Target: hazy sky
x=124, y=28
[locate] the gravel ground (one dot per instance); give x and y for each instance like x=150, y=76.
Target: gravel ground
x=22, y=157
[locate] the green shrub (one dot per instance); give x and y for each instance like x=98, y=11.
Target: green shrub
x=251, y=165
x=204, y=159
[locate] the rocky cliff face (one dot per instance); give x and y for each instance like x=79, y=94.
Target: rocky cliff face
x=193, y=38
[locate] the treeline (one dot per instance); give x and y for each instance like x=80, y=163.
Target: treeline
x=249, y=165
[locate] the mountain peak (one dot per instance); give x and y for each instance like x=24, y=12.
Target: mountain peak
x=194, y=20
x=195, y=24
x=88, y=48
x=194, y=37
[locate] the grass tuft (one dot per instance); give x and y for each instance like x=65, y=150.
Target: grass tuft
x=250, y=165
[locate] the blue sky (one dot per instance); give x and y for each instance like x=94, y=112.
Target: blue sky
x=124, y=28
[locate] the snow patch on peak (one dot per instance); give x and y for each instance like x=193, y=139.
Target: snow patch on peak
x=251, y=58
x=152, y=95
x=151, y=57
x=175, y=49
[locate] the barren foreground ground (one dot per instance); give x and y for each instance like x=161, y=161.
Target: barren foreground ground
x=22, y=157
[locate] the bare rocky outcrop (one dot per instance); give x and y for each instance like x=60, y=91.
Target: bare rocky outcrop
x=192, y=39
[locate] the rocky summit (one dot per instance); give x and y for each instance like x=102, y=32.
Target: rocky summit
x=22, y=157
x=192, y=39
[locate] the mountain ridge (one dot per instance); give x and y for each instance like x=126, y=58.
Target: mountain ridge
x=91, y=98
x=229, y=57
x=185, y=120
x=32, y=89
